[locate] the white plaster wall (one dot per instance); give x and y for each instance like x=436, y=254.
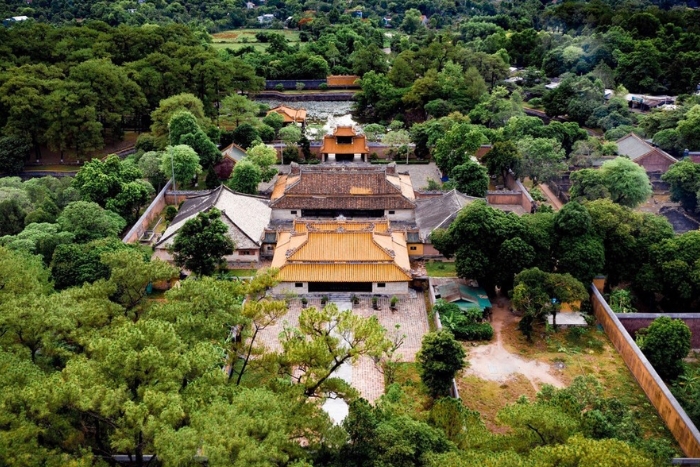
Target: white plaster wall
x=400, y=215
x=391, y=288
x=285, y=214
x=287, y=287
x=237, y=258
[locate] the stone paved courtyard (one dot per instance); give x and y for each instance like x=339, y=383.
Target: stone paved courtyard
x=366, y=377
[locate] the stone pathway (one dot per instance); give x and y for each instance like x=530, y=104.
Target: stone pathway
x=411, y=317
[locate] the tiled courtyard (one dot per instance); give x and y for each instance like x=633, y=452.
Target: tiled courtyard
x=366, y=377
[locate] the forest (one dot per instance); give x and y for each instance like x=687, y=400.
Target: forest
x=91, y=366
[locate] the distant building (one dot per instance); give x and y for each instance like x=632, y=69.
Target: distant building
x=433, y=213
x=342, y=256
x=15, y=19
x=290, y=114
x=266, y=19
x=646, y=102
x=653, y=159
x=245, y=216
x=250, y=5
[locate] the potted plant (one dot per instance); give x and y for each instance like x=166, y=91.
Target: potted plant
x=324, y=299
x=304, y=302
x=394, y=301
x=355, y=299
x=374, y=303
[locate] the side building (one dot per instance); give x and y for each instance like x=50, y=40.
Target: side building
x=245, y=216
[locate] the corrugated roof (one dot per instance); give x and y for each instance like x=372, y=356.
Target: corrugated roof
x=439, y=211
x=246, y=216
x=339, y=252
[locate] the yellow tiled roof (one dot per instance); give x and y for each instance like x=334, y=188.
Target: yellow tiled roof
x=342, y=252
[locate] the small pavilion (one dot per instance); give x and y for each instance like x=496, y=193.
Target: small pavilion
x=344, y=145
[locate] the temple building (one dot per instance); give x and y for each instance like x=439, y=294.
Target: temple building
x=344, y=145
x=342, y=256
x=290, y=115
x=353, y=192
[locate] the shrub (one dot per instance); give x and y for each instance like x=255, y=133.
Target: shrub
x=279, y=87
x=300, y=86
x=170, y=213
x=666, y=342
x=323, y=87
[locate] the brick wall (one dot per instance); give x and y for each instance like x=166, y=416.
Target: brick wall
x=661, y=398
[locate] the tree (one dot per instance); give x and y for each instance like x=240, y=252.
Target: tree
x=684, y=180
x=74, y=264
x=542, y=158
x=167, y=108
x=411, y=21
x=185, y=162
x=131, y=273
x=290, y=135
x=100, y=181
x=274, y=120
x=245, y=135
x=458, y=143
x=439, y=360
x=265, y=157
x=666, y=342
x=538, y=294
x=398, y=140
x=626, y=181
x=373, y=131
x=237, y=109
x=149, y=164
x=587, y=184
x=39, y=239
x=690, y=126
x=471, y=179
x=202, y=242
x=88, y=221
x=325, y=340
x=13, y=152
x=502, y=159
x=209, y=154
x=246, y=177
x=181, y=123
x=12, y=216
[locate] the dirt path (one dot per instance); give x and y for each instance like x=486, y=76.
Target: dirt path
x=494, y=362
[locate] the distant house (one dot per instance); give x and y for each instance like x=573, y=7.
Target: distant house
x=332, y=191
x=250, y=5
x=245, y=216
x=433, y=213
x=15, y=19
x=266, y=19
x=646, y=102
x=653, y=159
x=344, y=144
x=342, y=256
x=290, y=115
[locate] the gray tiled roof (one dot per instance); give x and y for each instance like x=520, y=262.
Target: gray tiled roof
x=246, y=216
x=439, y=211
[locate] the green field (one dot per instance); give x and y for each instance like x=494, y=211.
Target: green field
x=439, y=269
x=238, y=38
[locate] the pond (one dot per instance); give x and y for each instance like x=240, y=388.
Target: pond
x=316, y=111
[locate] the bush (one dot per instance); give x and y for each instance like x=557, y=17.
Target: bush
x=535, y=102
x=290, y=155
x=666, y=342
x=323, y=87
x=300, y=86
x=170, y=213
x=279, y=87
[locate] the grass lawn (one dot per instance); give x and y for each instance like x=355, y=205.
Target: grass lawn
x=239, y=38
x=440, y=269
x=242, y=272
